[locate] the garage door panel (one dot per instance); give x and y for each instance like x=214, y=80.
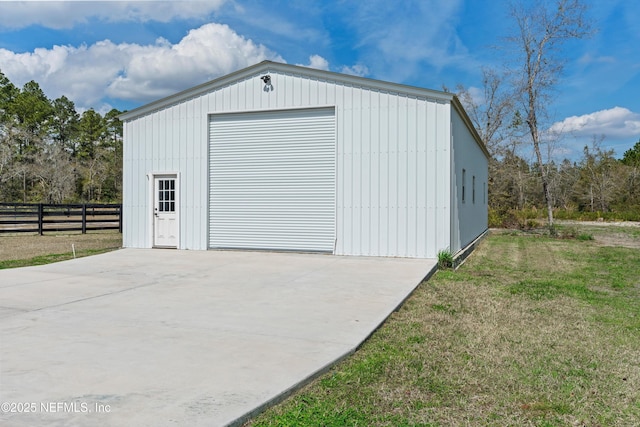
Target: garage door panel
x=272, y=180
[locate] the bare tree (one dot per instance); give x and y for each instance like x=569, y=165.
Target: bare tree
x=542, y=28
x=563, y=179
x=601, y=175
x=489, y=110
x=53, y=172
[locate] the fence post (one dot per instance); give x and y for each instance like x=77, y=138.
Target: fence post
x=40, y=219
x=84, y=218
x=120, y=218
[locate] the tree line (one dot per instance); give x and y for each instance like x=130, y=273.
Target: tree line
x=50, y=153
x=512, y=118
x=595, y=185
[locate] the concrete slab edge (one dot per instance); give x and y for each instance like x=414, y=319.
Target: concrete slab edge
x=300, y=384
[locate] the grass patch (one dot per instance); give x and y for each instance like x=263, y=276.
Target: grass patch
x=584, y=236
x=27, y=250
x=531, y=330
x=48, y=259
x=445, y=258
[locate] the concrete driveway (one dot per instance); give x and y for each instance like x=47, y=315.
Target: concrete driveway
x=175, y=338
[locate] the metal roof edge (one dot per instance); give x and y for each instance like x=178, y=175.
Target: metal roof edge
x=266, y=66
x=467, y=121
x=189, y=93
x=361, y=81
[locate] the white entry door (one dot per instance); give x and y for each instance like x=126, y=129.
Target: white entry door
x=165, y=221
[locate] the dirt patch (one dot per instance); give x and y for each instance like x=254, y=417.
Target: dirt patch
x=618, y=239
x=601, y=223
x=15, y=247
x=622, y=234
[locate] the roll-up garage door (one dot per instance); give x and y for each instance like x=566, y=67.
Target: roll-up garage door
x=272, y=180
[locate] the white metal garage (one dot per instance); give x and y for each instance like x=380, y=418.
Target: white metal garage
x=272, y=180
x=283, y=157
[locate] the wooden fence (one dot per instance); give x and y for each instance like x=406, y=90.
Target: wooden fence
x=41, y=218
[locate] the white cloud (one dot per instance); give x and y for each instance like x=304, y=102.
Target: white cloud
x=65, y=14
x=317, y=62
x=477, y=95
x=81, y=73
x=131, y=71
x=398, y=40
x=356, y=70
x=320, y=63
x=287, y=20
x=588, y=58
x=205, y=53
x=616, y=122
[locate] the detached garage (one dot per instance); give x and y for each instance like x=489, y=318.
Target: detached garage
x=281, y=157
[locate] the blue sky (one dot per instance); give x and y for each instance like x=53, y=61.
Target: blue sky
x=104, y=54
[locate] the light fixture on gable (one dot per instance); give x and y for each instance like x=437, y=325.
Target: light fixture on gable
x=267, y=83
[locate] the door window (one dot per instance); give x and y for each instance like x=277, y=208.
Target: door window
x=167, y=195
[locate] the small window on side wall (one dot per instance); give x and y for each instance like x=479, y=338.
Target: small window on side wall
x=473, y=189
x=484, y=193
x=464, y=182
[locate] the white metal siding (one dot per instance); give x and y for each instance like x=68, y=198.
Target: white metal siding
x=272, y=180
x=166, y=141
x=393, y=168
x=469, y=218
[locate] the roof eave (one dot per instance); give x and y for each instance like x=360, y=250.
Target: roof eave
x=188, y=93
x=465, y=118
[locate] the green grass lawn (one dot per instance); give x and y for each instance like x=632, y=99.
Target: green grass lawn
x=529, y=331
x=27, y=250
x=48, y=259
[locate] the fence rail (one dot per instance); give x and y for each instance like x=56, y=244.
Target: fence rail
x=41, y=218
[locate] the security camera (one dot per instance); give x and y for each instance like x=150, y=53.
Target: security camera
x=266, y=79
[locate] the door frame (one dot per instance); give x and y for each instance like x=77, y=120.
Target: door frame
x=151, y=178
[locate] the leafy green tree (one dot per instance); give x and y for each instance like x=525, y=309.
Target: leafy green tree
x=100, y=156
x=631, y=157
x=112, y=185
x=113, y=127
x=29, y=118
x=8, y=93
x=49, y=152
x=32, y=110
x=92, y=131
x=631, y=161
x=65, y=124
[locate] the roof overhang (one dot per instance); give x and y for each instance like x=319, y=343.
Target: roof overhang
x=465, y=118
